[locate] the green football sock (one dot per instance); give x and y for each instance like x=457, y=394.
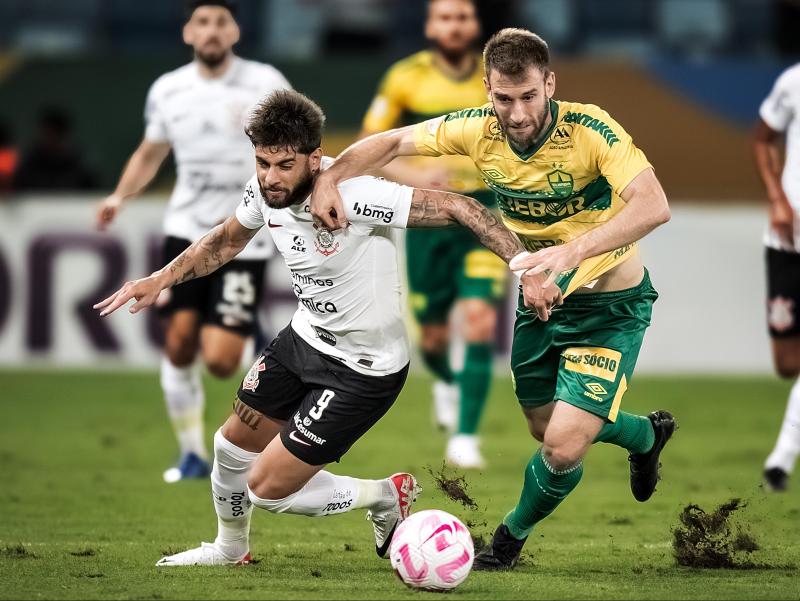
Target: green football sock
x=543, y=490
x=439, y=364
x=631, y=432
x=474, y=381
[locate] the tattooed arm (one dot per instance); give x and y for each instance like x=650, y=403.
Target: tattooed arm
x=434, y=208
x=205, y=256
x=431, y=208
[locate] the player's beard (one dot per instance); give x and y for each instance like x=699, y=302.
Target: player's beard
x=453, y=55
x=211, y=58
x=522, y=144
x=291, y=197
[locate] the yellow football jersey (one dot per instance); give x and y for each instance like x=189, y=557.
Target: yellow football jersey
x=569, y=183
x=414, y=90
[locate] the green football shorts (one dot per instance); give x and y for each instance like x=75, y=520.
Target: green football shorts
x=585, y=353
x=448, y=264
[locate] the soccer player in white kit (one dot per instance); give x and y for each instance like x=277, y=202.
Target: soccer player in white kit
x=779, y=124
x=340, y=364
x=199, y=112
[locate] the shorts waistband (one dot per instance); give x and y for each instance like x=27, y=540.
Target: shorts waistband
x=597, y=298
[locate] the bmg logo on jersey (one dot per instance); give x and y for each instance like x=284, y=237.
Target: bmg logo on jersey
x=376, y=212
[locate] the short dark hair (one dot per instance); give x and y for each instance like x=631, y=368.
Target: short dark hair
x=193, y=5
x=511, y=51
x=286, y=119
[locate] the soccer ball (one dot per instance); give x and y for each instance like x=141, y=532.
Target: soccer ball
x=432, y=550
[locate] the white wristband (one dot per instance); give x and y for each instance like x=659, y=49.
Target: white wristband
x=520, y=272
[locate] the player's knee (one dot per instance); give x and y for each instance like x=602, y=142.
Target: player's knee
x=180, y=349
x=480, y=322
x=537, y=428
x=434, y=339
x=787, y=366
x=222, y=367
x=562, y=454
x=268, y=492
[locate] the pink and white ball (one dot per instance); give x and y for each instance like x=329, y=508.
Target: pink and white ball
x=432, y=550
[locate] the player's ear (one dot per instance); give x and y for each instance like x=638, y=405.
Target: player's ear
x=188, y=33
x=316, y=159
x=488, y=87
x=550, y=84
x=237, y=35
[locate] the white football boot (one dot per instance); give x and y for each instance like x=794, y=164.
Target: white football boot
x=463, y=450
x=207, y=554
x=445, y=405
x=406, y=491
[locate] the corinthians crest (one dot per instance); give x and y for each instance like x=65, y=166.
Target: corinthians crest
x=325, y=242
x=250, y=381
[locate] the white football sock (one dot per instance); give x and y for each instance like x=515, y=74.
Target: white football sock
x=183, y=393
x=787, y=448
x=327, y=494
x=229, y=490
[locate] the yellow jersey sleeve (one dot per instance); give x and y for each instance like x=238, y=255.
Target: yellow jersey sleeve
x=618, y=158
x=455, y=133
x=387, y=106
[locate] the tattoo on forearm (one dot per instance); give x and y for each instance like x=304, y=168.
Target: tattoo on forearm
x=250, y=417
x=432, y=208
x=206, y=255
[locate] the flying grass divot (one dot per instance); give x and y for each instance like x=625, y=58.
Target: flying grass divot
x=713, y=540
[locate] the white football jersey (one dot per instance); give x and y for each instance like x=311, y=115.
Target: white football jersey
x=347, y=281
x=781, y=111
x=203, y=120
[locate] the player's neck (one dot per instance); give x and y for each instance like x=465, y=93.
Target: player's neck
x=214, y=71
x=455, y=67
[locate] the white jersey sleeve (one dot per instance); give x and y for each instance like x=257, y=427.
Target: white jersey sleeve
x=778, y=110
x=249, y=212
x=154, y=119
x=375, y=201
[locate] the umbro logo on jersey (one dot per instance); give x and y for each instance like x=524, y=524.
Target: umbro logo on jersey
x=270, y=224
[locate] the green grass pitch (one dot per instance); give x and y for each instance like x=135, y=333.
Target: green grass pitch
x=84, y=513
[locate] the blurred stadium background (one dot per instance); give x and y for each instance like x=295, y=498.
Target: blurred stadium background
x=685, y=77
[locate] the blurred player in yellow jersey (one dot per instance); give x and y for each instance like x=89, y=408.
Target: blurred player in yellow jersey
x=579, y=194
x=446, y=266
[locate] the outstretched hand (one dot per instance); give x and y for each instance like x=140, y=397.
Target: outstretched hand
x=145, y=291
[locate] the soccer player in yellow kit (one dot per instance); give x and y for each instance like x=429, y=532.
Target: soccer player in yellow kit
x=446, y=266
x=579, y=194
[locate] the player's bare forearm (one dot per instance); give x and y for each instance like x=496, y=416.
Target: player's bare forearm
x=767, y=151
x=372, y=152
x=646, y=208
x=141, y=168
x=435, y=208
x=207, y=254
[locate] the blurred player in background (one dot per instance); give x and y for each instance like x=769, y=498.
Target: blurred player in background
x=198, y=111
x=779, y=124
x=446, y=266
x=338, y=367
x=579, y=194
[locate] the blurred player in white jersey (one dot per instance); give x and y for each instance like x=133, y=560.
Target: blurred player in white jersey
x=779, y=127
x=199, y=112
x=338, y=367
